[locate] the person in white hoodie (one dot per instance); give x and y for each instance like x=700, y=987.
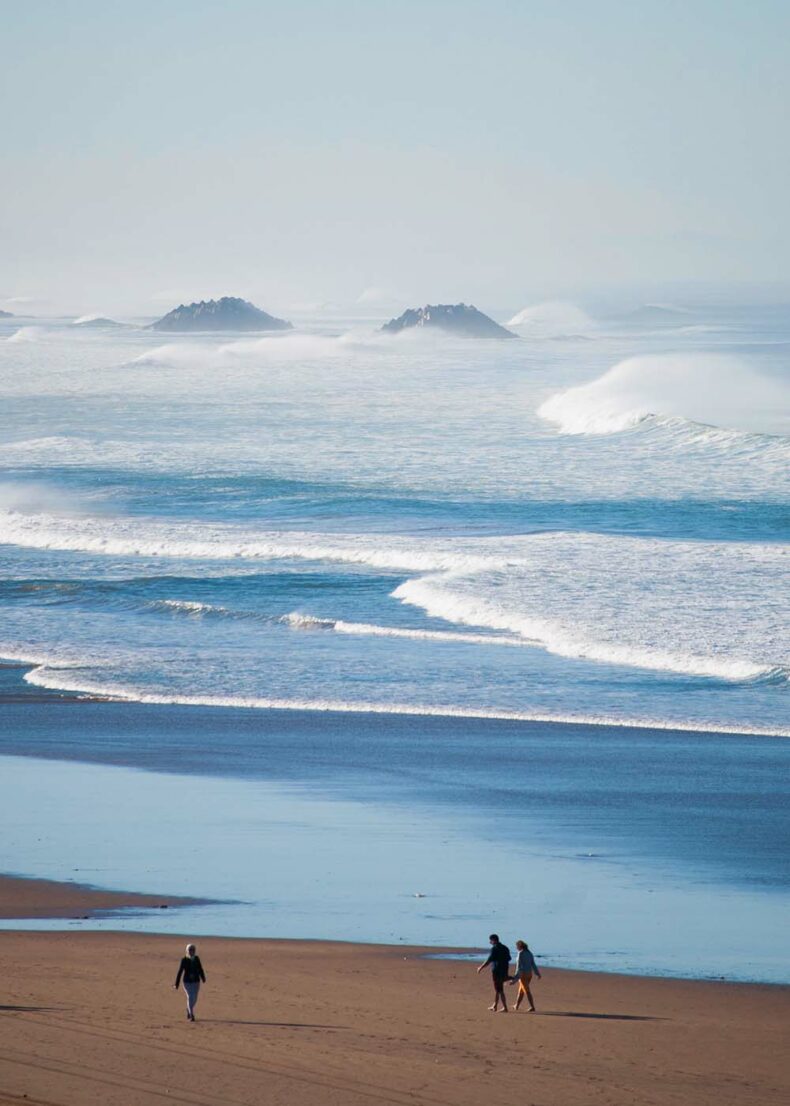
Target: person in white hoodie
x=525, y=969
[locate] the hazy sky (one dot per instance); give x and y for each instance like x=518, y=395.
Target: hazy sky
x=299, y=152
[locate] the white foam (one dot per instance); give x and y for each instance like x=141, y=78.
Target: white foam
x=670, y=606
x=437, y=600
x=366, y=629
x=298, y=621
x=713, y=389
x=59, y=679
x=78, y=451
x=645, y=603
x=149, y=538
x=188, y=606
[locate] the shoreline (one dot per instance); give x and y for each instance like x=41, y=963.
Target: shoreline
x=31, y=692
x=62, y=900
x=25, y=898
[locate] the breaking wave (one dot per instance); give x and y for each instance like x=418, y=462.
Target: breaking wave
x=25, y=334
x=295, y=620
x=437, y=599
x=189, y=607
x=713, y=391
x=680, y=605
x=300, y=621
x=554, y=319
x=148, y=538
x=57, y=677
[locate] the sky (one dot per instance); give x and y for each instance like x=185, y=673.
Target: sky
x=374, y=153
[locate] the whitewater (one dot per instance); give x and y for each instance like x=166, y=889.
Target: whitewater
x=335, y=520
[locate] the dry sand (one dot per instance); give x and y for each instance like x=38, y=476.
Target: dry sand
x=91, y=1018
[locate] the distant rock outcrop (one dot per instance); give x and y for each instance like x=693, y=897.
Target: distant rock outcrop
x=6, y=314
x=229, y=313
x=456, y=318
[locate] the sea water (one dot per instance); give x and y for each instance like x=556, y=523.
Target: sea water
x=583, y=527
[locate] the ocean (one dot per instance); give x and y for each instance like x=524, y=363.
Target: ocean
x=529, y=596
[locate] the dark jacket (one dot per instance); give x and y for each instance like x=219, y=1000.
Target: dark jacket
x=499, y=959
x=191, y=969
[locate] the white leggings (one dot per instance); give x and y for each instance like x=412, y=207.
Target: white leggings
x=192, y=990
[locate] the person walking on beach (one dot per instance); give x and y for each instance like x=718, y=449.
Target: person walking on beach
x=499, y=959
x=192, y=971
x=525, y=968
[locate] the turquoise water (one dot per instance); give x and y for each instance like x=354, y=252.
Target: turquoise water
x=586, y=527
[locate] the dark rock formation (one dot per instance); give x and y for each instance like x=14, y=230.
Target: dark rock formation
x=229, y=313
x=457, y=318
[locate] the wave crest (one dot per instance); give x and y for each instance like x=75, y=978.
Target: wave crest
x=709, y=389
x=553, y=319
x=25, y=334
x=56, y=677
x=681, y=605
x=367, y=629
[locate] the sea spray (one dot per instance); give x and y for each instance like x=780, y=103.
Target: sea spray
x=553, y=319
x=714, y=389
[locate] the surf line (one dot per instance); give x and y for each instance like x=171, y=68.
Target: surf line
x=37, y=678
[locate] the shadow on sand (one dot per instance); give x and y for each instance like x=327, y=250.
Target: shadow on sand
x=30, y=1009
x=602, y=1017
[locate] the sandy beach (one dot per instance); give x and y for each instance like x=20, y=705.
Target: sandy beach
x=92, y=1018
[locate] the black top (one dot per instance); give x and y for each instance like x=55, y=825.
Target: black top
x=499, y=958
x=192, y=970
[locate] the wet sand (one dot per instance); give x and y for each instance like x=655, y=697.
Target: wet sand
x=92, y=1018
x=43, y=898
